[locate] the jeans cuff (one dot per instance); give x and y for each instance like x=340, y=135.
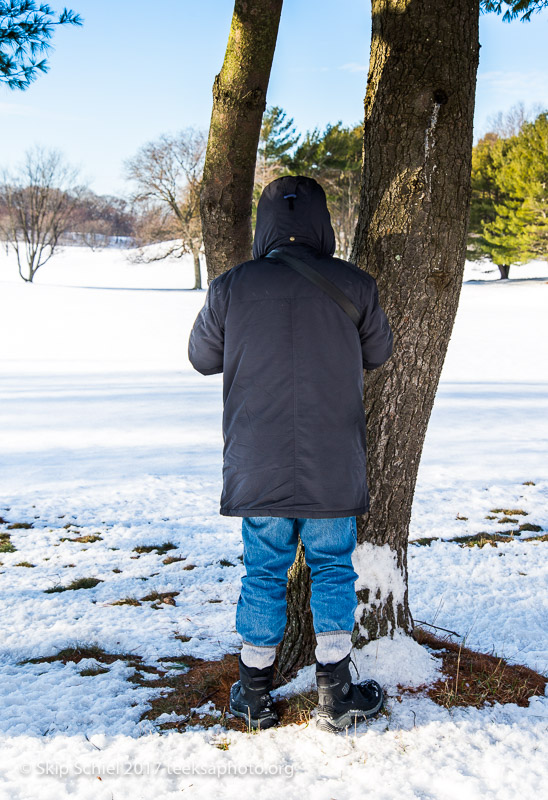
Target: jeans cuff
x=333, y=633
x=266, y=646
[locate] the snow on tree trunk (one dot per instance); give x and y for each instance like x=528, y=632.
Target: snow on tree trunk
x=239, y=99
x=411, y=236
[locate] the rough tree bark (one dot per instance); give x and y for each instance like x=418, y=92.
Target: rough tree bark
x=299, y=642
x=411, y=236
x=239, y=100
x=504, y=270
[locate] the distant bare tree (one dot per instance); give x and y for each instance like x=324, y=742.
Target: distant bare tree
x=38, y=204
x=168, y=175
x=510, y=123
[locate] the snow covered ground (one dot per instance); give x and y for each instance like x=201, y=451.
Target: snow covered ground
x=105, y=426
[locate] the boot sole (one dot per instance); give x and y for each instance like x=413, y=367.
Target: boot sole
x=266, y=722
x=326, y=722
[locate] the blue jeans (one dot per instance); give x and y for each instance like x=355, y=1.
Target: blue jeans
x=270, y=545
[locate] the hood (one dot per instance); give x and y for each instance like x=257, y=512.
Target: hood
x=293, y=210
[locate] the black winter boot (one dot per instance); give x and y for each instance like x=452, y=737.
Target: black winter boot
x=341, y=702
x=250, y=696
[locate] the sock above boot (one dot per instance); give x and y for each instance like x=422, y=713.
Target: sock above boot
x=333, y=646
x=257, y=657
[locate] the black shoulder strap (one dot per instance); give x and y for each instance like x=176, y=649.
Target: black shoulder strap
x=315, y=277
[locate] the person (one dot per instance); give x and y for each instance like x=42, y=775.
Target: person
x=294, y=456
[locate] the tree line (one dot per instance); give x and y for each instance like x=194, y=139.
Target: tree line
x=508, y=221
x=42, y=205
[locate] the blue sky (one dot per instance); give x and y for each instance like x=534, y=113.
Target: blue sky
x=136, y=70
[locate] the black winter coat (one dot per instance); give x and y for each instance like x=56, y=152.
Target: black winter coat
x=293, y=360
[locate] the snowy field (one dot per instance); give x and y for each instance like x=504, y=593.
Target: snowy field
x=106, y=431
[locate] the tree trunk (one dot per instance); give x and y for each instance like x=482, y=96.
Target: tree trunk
x=197, y=270
x=504, y=270
x=299, y=642
x=239, y=100
x=411, y=236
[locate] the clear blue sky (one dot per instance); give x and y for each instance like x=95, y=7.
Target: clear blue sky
x=136, y=70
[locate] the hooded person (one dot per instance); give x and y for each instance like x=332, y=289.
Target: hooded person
x=294, y=430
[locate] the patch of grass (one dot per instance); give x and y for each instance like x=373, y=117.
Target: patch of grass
x=543, y=538
x=25, y=564
x=161, y=549
x=527, y=526
x=88, y=539
x=214, y=601
x=528, y=483
x=510, y=512
x=204, y=680
x=460, y=517
x=481, y=539
x=69, y=565
x=490, y=516
x=126, y=601
x=79, y=583
x=92, y=671
x=298, y=708
x=190, y=566
x=478, y=679
x=182, y=638
x=160, y=597
x=225, y=563
x=211, y=681
x=19, y=526
x=507, y=520
x=77, y=653
x=426, y=540
x=6, y=545
x=173, y=559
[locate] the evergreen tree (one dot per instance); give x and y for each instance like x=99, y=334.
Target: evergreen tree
x=334, y=159
x=278, y=137
x=485, y=190
x=509, y=208
x=24, y=31
x=525, y=177
x=489, y=204
x=514, y=8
